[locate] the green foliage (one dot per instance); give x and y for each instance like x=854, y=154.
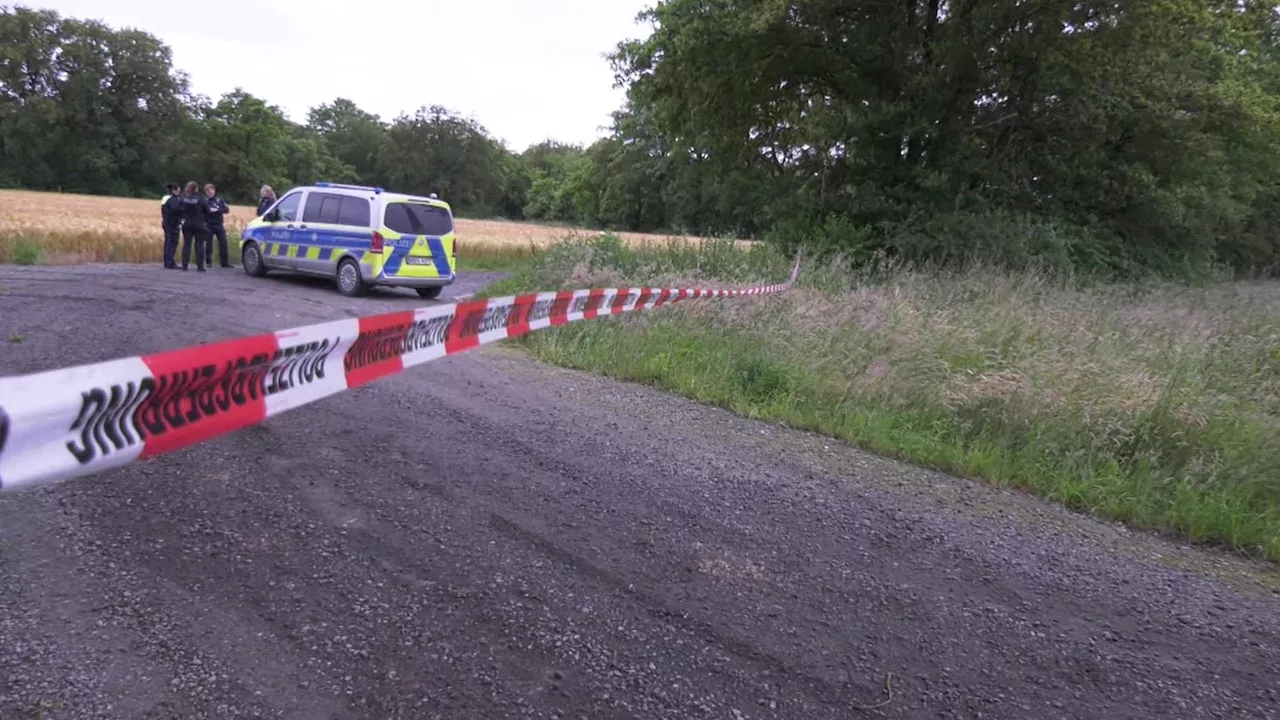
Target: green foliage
x=1083, y=137
x=21, y=251
x=555, y=171
x=439, y=151
x=1108, y=135
x=89, y=109
x=831, y=235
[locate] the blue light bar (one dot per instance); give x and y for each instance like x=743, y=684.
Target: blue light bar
x=327, y=184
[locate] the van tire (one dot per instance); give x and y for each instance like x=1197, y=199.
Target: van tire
x=348, y=279
x=251, y=258
x=430, y=293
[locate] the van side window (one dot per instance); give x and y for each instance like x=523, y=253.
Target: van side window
x=354, y=212
x=397, y=218
x=322, y=208
x=288, y=207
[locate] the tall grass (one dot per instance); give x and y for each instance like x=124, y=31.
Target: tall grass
x=34, y=247
x=1158, y=405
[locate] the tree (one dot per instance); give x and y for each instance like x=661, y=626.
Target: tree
x=1124, y=121
x=28, y=96
x=245, y=143
x=1079, y=134
x=550, y=165
x=355, y=137
x=437, y=150
x=83, y=107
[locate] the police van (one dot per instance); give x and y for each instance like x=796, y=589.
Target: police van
x=359, y=236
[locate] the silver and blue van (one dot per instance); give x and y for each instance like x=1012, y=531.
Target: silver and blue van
x=359, y=236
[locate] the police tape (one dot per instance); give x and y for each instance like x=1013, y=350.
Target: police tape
x=69, y=423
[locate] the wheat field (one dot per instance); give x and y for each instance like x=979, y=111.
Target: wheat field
x=65, y=229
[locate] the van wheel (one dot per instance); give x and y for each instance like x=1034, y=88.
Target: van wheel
x=349, y=280
x=251, y=258
x=430, y=293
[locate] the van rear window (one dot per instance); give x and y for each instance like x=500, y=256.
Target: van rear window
x=410, y=218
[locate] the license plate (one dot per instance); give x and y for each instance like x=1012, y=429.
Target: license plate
x=420, y=261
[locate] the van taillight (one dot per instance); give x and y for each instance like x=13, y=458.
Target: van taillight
x=376, y=242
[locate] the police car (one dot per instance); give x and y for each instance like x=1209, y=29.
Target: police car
x=359, y=236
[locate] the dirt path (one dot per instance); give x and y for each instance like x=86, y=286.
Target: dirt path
x=485, y=537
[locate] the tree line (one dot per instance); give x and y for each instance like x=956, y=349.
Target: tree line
x=1083, y=135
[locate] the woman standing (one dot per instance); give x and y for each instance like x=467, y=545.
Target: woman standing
x=195, y=209
x=266, y=197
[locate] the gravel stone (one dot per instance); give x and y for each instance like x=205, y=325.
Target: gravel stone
x=488, y=537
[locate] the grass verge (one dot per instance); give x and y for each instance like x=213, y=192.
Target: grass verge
x=1156, y=405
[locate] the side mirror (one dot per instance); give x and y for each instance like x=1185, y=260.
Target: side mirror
x=272, y=215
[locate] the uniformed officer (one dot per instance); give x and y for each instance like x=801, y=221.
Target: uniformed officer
x=171, y=223
x=195, y=225
x=218, y=209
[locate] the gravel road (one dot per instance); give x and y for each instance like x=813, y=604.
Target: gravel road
x=487, y=537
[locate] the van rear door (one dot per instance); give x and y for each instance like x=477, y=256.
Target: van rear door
x=419, y=238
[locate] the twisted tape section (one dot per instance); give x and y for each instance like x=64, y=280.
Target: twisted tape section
x=79, y=421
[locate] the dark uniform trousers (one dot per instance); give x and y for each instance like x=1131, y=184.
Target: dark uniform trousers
x=218, y=231
x=171, y=245
x=201, y=236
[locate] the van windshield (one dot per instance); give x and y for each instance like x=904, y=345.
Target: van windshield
x=411, y=218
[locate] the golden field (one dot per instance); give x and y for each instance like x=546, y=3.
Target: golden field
x=57, y=228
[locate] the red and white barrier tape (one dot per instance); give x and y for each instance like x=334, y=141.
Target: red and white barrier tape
x=79, y=421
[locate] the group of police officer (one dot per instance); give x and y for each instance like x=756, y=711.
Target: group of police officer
x=199, y=217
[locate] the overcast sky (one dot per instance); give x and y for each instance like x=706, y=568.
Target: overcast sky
x=528, y=70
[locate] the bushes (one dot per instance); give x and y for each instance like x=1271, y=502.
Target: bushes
x=20, y=251
x=960, y=240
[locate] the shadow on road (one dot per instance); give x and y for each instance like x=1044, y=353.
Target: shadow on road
x=322, y=284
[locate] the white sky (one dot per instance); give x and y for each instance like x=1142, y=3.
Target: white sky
x=527, y=70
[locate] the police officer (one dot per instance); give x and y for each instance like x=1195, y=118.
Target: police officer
x=171, y=223
x=218, y=208
x=195, y=225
